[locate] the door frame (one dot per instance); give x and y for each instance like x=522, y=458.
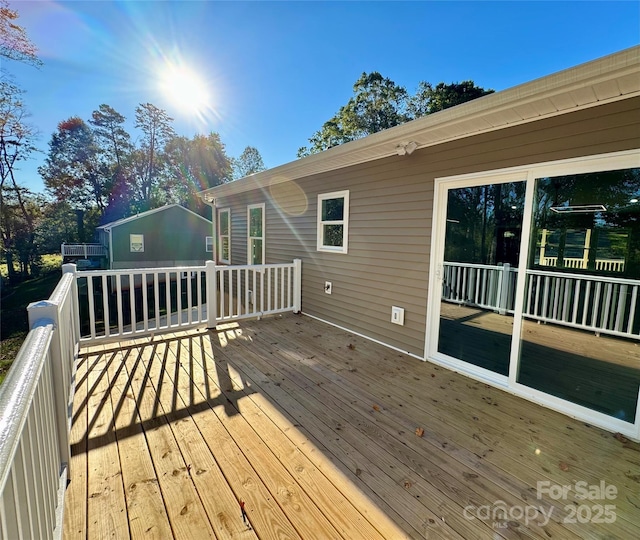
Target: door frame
x=528, y=173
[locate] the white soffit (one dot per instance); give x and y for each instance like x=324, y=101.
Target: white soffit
x=604, y=80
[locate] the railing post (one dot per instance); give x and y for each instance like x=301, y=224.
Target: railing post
x=297, y=285
x=61, y=378
x=72, y=269
x=212, y=294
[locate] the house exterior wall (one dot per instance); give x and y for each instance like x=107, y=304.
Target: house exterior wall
x=172, y=237
x=391, y=208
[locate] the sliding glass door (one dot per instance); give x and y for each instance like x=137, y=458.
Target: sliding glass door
x=535, y=284
x=483, y=236
x=581, y=312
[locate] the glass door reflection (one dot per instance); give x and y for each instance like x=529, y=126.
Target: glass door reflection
x=581, y=314
x=481, y=252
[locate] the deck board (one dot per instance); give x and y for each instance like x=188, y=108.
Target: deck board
x=314, y=428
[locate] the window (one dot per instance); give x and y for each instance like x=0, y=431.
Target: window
x=333, y=221
x=255, y=234
x=208, y=244
x=136, y=243
x=224, y=236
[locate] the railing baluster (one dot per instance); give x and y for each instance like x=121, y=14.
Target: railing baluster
x=238, y=292
x=222, y=278
x=632, y=309
x=156, y=299
x=282, y=287
x=189, y=299
x=262, y=272
x=36, y=473
x=622, y=300
x=200, y=316
x=596, y=305
x=167, y=298
x=145, y=302
x=92, y=314
x=105, y=307
x=132, y=302
x=255, y=291
x=269, y=289
x=119, y=303
x=576, y=300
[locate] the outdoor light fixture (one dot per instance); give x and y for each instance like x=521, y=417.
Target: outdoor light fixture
x=579, y=209
x=405, y=148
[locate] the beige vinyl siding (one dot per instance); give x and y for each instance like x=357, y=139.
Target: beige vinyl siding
x=391, y=207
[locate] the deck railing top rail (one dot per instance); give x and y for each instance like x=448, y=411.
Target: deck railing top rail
x=35, y=418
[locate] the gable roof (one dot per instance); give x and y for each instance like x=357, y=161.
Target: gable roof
x=117, y=223
x=605, y=80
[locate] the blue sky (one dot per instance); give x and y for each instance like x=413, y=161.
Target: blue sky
x=276, y=71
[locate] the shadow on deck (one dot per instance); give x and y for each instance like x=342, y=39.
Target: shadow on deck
x=324, y=434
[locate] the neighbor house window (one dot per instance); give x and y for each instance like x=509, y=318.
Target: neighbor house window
x=224, y=236
x=136, y=243
x=333, y=221
x=208, y=244
x=255, y=234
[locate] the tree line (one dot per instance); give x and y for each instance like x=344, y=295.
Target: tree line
x=378, y=103
x=104, y=174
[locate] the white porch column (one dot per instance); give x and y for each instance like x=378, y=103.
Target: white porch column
x=297, y=285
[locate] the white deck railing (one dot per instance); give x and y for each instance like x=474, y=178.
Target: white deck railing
x=118, y=304
x=595, y=303
x=608, y=265
x=35, y=418
x=599, y=304
x=83, y=250
x=482, y=285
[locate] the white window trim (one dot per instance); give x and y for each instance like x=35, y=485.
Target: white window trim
x=250, y=238
x=137, y=237
x=344, y=222
x=221, y=236
x=208, y=244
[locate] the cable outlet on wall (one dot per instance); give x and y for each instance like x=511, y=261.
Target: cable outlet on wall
x=328, y=286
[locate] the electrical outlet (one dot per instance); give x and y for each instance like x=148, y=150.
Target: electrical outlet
x=328, y=286
x=397, y=315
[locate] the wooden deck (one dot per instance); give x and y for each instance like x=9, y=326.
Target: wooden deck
x=324, y=434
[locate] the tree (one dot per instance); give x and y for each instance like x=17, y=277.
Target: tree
x=14, y=42
x=114, y=151
x=194, y=165
x=113, y=140
x=56, y=227
x=15, y=134
x=378, y=103
x=249, y=162
x=72, y=171
x=19, y=213
x=430, y=99
x=148, y=158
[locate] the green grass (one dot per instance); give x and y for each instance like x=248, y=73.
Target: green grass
x=13, y=315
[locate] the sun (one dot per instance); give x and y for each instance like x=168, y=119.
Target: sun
x=185, y=89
